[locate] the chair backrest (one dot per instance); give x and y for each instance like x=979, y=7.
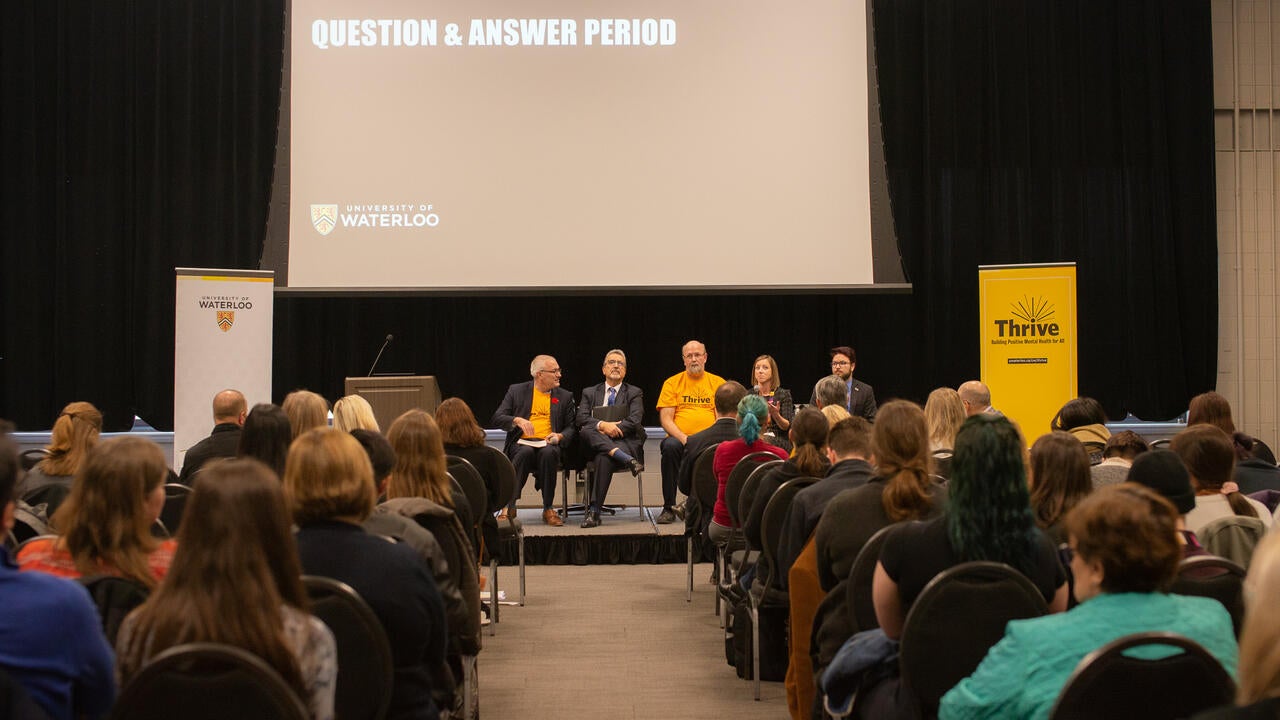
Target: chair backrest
x=750, y=488
x=1111, y=683
x=24, y=543
x=51, y=496
x=738, y=478
x=365, y=667
x=956, y=619
x=208, y=681
x=472, y=484
x=175, y=503
x=705, y=487
x=31, y=458
x=775, y=516
x=1233, y=538
x=941, y=460
x=115, y=597
x=506, y=476
x=858, y=603
x=1213, y=577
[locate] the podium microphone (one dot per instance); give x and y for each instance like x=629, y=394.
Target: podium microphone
x=385, y=343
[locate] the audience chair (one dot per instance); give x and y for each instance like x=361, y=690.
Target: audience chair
x=24, y=543
x=746, y=499
x=858, y=602
x=365, y=667
x=208, y=681
x=775, y=517
x=175, y=502
x=941, y=461
x=115, y=597
x=957, y=618
x=1110, y=683
x=31, y=458
x=510, y=528
x=469, y=481
x=51, y=496
x=726, y=568
x=1213, y=577
x=703, y=491
x=16, y=702
x=1233, y=538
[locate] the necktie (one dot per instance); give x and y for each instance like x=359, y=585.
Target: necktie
x=613, y=393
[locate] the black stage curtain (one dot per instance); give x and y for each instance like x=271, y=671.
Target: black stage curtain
x=139, y=136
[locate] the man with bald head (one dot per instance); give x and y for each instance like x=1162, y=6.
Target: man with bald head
x=976, y=398
x=538, y=416
x=229, y=410
x=685, y=406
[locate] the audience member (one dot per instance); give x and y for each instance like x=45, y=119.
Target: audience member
x=419, y=489
x=809, y=437
x=53, y=645
x=75, y=432
x=353, y=412
x=464, y=438
x=235, y=580
x=686, y=406
x=944, y=412
x=1059, y=480
x=1162, y=471
x=1255, y=465
x=1211, y=409
x=105, y=523
x=830, y=391
x=976, y=398
x=849, y=448
x=835, y=413
x=381, y=456
x=725, y=428
x=1258, y=681
x=768, y=385
x=860, y=399
x=328, y=484
x=617, y=440
x=266, y=436
x=753, y=413
x=1124, y=554
x=1206, y=451
x=1117, y=457
x=229, y=410
x=306, y=410
x=538, y=417
x=1086, y=421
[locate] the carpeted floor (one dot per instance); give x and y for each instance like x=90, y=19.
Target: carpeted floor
x=614, y=641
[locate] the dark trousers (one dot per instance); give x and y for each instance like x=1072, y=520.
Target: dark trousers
x=672, y=456
x=602, y=464
x=544, y=462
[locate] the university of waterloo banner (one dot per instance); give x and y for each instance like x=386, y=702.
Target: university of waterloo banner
x=222, y=339
x=1028, y=340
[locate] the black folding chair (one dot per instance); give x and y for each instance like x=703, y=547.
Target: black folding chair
x=1213, y=577
x=365, y=667
x=1110, y=683
x=208, y=681
x=859, y=605
x=704, y=486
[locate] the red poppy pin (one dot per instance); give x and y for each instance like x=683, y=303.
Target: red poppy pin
x=555, y=401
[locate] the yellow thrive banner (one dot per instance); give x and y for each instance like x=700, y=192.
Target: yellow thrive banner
x=1028, y=340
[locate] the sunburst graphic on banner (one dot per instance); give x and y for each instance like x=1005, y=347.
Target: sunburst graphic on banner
x=1032, y=309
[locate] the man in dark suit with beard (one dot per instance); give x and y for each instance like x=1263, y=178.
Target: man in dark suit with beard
x=539, y=419
x=618, y=442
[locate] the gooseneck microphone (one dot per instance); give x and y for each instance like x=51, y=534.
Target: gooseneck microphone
x=385, y=343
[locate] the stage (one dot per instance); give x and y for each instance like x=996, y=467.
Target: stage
x=627, y=538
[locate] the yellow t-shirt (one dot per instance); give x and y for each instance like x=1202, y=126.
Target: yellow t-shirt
x=693, y=399
x=540, y=414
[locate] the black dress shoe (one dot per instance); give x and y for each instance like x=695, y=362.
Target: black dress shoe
x=591, y=519
x=636, y=467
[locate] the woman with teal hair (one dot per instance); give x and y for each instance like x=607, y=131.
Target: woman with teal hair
x=988, y=517
x=753, y=412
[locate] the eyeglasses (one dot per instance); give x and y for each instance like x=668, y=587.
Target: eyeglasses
x=692, y=356
x=840, y=363
x=551, y=372
x=1066, y=553
x=615, y=361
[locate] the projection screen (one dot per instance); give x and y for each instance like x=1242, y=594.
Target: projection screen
x=577, y=144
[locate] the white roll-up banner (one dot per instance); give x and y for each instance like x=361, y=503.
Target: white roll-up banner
x=222, y=339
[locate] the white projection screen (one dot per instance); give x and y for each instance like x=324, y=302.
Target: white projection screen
x=576, y=144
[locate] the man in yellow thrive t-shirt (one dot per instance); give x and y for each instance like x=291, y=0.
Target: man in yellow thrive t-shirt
x=685, y=406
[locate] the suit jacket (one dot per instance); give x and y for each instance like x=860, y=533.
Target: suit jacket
x=221, y=443
x=861, y=400
x=519, y=403
x=633, y=434
x=719, y=431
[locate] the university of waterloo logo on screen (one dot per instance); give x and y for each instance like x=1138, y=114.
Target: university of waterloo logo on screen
x=324, y=218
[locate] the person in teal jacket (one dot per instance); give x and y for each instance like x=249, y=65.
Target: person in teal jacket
x=1124, y=552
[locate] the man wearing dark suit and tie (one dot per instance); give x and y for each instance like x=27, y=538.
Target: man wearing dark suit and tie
x=539, y=419
x=617, y=443
x=860, y=399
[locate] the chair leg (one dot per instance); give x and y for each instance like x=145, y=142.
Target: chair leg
x=521, y=544
x=493, y=596
x=755, y=648
x=469, y=688
x=640, y=489
x=719, y=579
x=688, y=545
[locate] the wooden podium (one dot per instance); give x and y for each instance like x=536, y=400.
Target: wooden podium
x=391, y=395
